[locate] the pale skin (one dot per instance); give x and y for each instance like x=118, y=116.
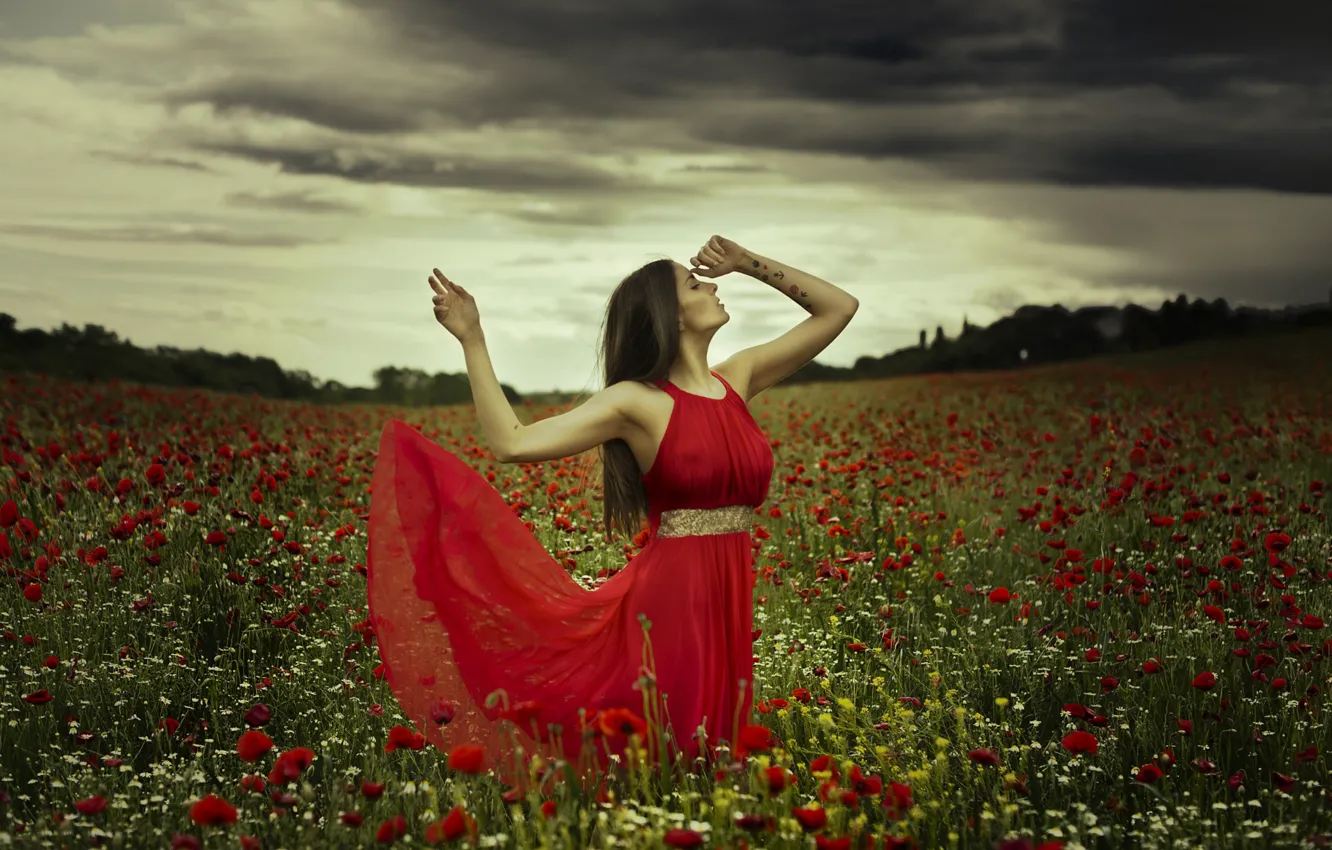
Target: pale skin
x=635, y=412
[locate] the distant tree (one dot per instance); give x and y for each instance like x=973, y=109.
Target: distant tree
x=1029, y=335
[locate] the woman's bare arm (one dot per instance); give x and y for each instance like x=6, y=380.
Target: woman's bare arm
x=499, y=424
x=605, y=416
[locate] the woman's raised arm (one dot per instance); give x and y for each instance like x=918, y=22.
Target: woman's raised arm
x=605, y=416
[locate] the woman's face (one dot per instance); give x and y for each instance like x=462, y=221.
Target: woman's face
x=700, y=308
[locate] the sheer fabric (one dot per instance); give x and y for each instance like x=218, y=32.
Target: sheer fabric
x=465, y=600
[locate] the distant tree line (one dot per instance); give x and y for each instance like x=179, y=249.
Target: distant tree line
x=1031, y=335
x=96, y=354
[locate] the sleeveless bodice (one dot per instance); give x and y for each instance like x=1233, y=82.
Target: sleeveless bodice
x=713, y=455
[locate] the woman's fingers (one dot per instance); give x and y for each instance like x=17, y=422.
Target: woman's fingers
x=444, y=283
x=445, y=287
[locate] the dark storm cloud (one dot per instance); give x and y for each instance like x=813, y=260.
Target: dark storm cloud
x=196, y=235
x=1280, y=285
x=581, y=216
x=1246, y=247
x=434, y=171
x=1297, y=30
x=290, y=201
x=161, y=161
x=318, y=103
x=1298, y=160
x=1223, y=95
x=727, y=169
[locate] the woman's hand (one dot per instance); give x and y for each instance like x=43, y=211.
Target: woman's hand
x=718, y=257
x=455, y=308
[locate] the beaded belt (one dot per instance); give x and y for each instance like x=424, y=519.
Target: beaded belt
x=690, y=521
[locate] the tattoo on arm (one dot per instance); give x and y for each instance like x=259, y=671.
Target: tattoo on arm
x=777, y=274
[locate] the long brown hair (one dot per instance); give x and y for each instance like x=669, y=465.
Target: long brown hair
x=639, y=342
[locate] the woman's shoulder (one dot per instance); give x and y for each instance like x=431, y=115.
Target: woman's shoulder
x=644, y=401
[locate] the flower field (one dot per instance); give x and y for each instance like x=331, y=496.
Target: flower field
x=1072, y=606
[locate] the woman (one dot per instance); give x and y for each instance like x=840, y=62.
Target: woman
x=478, y=625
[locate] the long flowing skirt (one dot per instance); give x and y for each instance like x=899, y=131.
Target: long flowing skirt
x=466, y=602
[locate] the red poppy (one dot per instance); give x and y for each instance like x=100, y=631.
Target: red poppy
x=984, y=756
x=391, y=829
x=467, y=758
x=1080, y=741
x=455, y=824
x=290, y=764
x=897, y=800
x=778, y=778
x=678, y=837
x=862, y=784
x=825, y=762
x=811, y=818
x=92, y=805
x=253, y=745
x=401, y=736
x=754, y=739
x=212, y=810
x=621, y=721
x=38, y=697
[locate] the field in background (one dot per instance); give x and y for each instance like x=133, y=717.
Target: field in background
x=1076, y=606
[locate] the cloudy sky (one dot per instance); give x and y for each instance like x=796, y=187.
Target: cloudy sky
x=277, y=177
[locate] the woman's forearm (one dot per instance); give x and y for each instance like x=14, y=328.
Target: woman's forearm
x=499, y=424
x=816, y=295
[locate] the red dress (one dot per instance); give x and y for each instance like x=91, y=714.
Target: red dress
x=464, y=599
